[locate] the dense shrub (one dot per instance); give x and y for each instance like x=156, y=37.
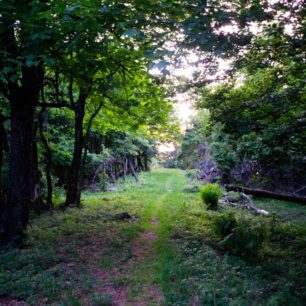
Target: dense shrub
x=224, y=224
x=242, y=236
x=210, y=195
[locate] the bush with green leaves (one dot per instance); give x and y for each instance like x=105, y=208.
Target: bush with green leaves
x=210, y=195
x=224, y=224
x=242, y=236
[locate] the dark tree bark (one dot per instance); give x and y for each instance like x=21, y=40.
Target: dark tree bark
x=23, y=101
x=109, y=170
x=23, y=96
x=3, y=141
x=132, y=168
x=115, y=170
x=37, y=202
x=75, y=169
x=48, y=159
x=125, y=166
x=146, y=163
x=139, y=162
x=3, y=148
x=82, y=170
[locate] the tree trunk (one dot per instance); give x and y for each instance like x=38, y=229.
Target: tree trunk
x=85, y=142
x=115, y=170
x=267, y=194
x=146, y=163
x=133, y=169
x=125, y=166
x=23, y=104
x=109, y=170
x=82, y=170
x=140, y=165
x=3, y=142
x=23, y=98
x=48, y=159
x=74, y=176
x=37, y=202
x=3, y=147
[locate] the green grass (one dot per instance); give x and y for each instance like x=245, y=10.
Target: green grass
x=187, y=263
x=288, y=211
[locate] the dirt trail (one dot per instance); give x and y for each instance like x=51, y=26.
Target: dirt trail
x=117, y=282
x=107, y=266
x=143, y=253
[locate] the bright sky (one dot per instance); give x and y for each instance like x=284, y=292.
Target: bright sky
x=184, y=102
x=184, y=108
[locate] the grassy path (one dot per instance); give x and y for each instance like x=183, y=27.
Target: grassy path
x=158, y=195
x=84, y=257
x=165, y=255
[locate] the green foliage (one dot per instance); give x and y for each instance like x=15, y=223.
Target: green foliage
x=39, y=273
x=248, y=115
x=95, y=56
x=210, y=195
x=233, y=196
x=192, y=262
x=103, y=50
x=221, y=149
x=242, y=236
x=31, y=275
x=193, y=186
x=186, y=257
x=192, y=173
x=103, y=180
x=189, y=155
x=225, y=224
x=262, y=105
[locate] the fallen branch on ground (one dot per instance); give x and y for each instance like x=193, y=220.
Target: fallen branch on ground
x=245, y=203
x=253, y=207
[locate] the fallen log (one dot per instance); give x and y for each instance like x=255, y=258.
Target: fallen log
x=253, y=207
x=267, y=194
x=244, y=202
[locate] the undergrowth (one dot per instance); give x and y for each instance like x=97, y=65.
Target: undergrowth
x=52, y=266
x=202, y=257
x=233, y=257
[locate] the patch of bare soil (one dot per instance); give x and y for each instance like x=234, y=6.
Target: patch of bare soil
x=114, y=283
x=11, y=302
x=142, y=251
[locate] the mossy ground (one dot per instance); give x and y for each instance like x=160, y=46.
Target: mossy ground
x=168, y=255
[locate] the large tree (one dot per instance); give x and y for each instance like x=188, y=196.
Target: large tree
x=38, y=36
x=25, y=40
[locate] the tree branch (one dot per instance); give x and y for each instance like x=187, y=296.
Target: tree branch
x=54, y=105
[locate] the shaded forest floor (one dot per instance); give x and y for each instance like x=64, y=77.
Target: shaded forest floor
x=166, y=254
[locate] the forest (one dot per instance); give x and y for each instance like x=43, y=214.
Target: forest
x=95, y=209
